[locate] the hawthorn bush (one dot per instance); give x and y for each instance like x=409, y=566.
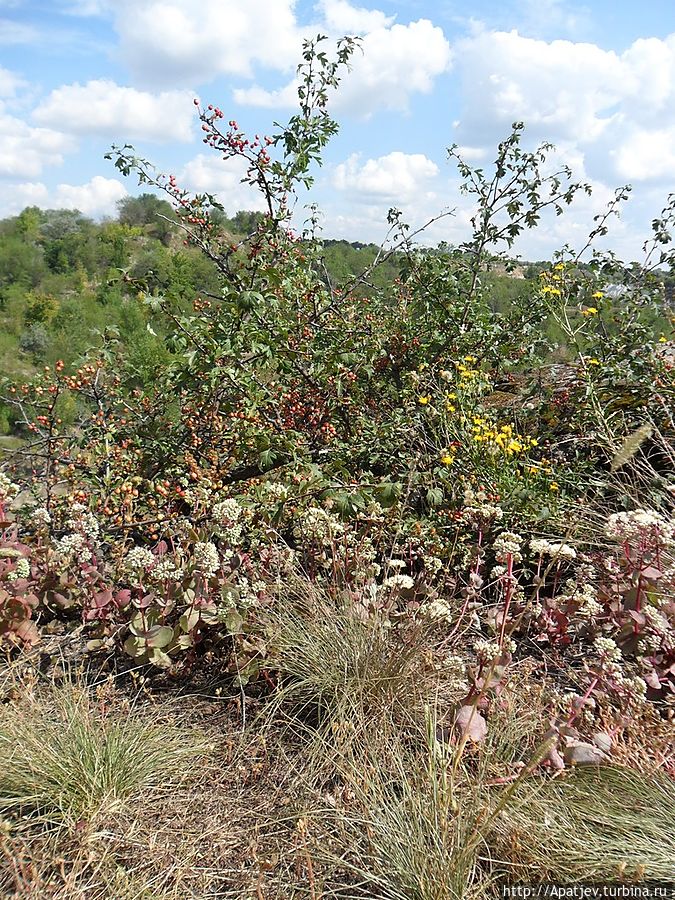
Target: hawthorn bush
x=501, y=482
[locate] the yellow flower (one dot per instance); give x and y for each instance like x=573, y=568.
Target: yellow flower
x=559, y=267
x=663, y=339
x=593, y=361
x=598, y=295
x=547, y=289
x=554, y=486
x=589, y=311
x=447, y=460
x=423, y=400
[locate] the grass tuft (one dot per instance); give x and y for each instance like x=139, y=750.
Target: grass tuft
x=64, y=762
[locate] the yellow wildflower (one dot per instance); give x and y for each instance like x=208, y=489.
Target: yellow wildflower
x=447, y=460
x=423, y=400
x=589, y=311
x=598, y=295
x=554, y=486
x=593, y=361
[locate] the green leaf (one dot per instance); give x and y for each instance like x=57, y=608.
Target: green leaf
x=159, y=636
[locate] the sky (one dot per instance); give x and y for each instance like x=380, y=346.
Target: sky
x=596, y=79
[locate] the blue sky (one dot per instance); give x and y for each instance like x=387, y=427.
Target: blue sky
x=596, y=79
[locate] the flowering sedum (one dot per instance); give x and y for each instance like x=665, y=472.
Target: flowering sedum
x=206, y=558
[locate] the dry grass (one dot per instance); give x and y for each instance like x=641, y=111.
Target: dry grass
x=348, y=784
x=594, y=824
x=64, y=761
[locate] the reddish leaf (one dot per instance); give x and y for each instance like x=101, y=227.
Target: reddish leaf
x=471, y=723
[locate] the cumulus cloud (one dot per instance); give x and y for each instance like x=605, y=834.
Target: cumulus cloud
x=26, y=151
x=562, y=88
x=222, y=178
x=96, y=198
x=619, y=108
x=180, y=42
x=396, y=63
x=646, y=154
x=395, y=177
x=391, y=64
x=105, y=108
x=340, y=17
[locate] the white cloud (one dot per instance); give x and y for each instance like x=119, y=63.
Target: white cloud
x=396, y=177
x=16, y=32
x=26, y=151
x=9, y=82
x=103, y=107
x=222, y=178
x=341, y=17
x=396, y=63
x=180, y=42
x=96, y=198
x=561, y=88
x=389, y=66
x=282, y=98
x=619, y=108
x=646, y=155
x=545, y=17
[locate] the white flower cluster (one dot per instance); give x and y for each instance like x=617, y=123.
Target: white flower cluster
x=40, y=517
x=8, y=489
x=398, y=582
x=483, y=515
x=433, y=565
x=486, y=650
x=276, y=490
x=556, y=550
x=640, y=523
x=165, y=570
x=506, y=545
x=196, y=493
x=439, y=609
x=608, y=650
x=633, y=686
x=72, y=548
x=139, y=559
x=317, y=524
x=587, y=598
x=84, y=522
x=206, y=558
x=227, y=514
x=660, y=626
x=477, y=511
x=249, y=591
x=21, y=569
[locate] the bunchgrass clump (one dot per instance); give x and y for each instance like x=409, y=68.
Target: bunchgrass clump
x=601, y=823
x=64, y=762
x=337, y=667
